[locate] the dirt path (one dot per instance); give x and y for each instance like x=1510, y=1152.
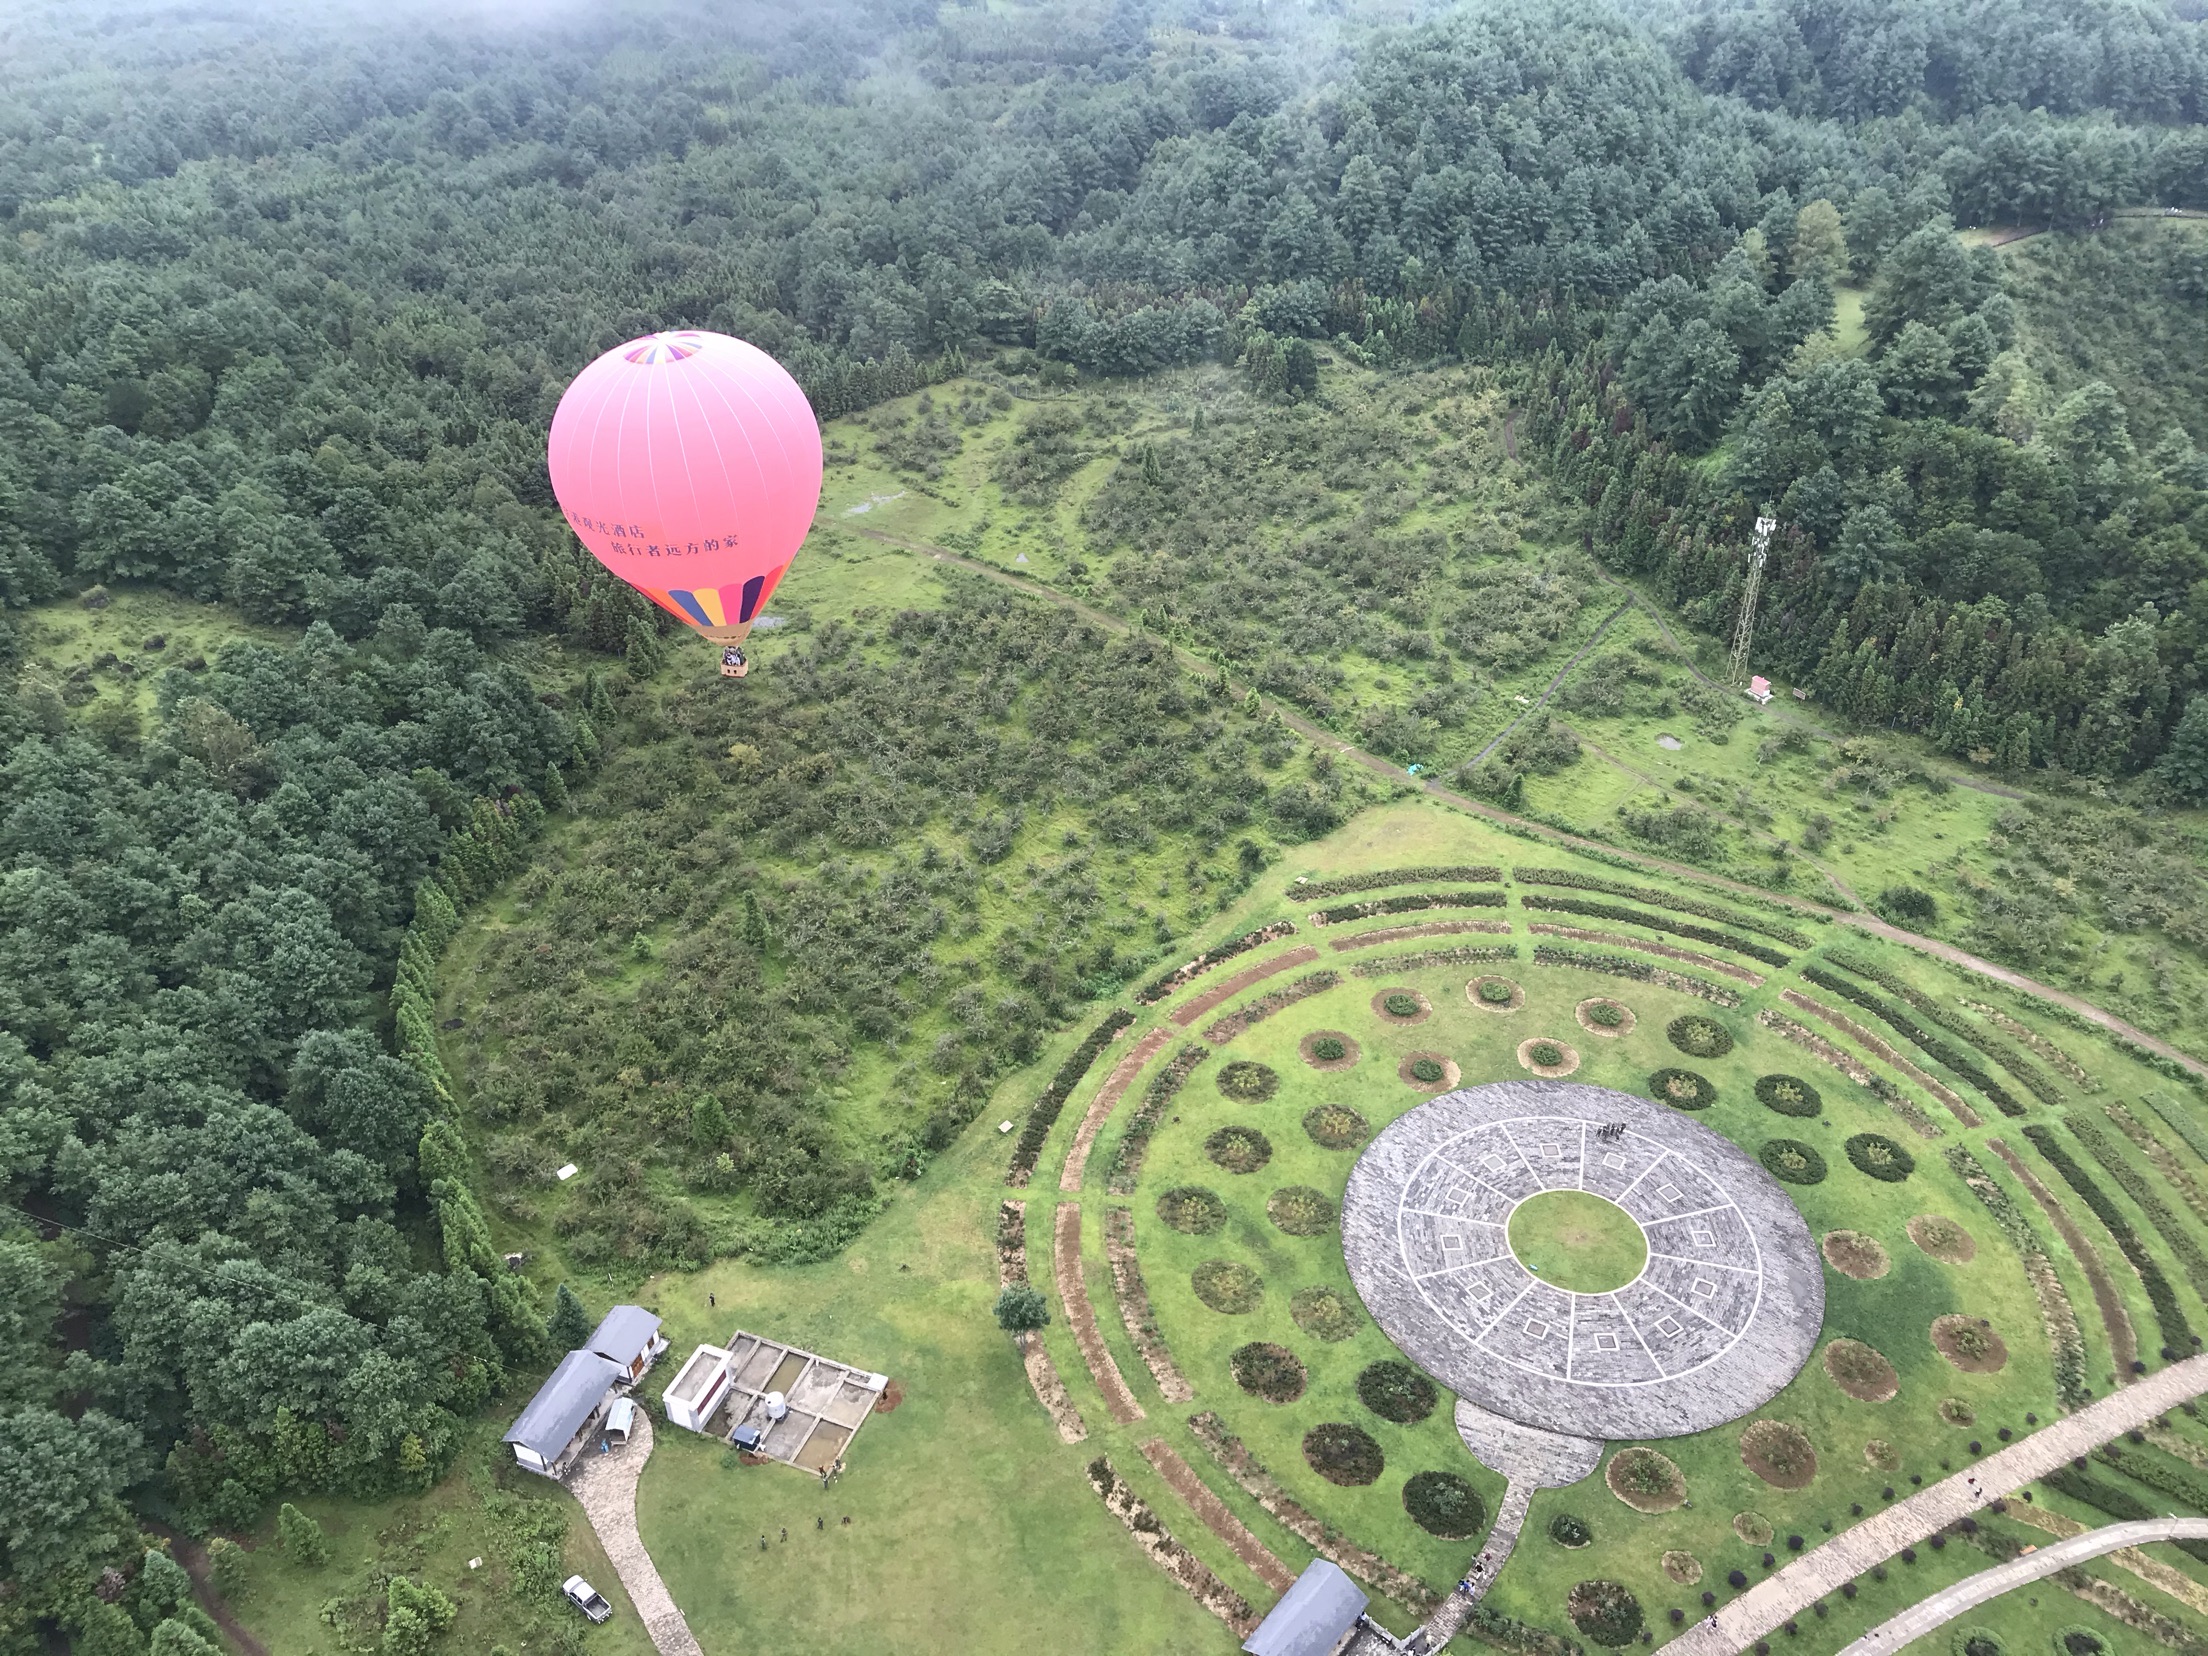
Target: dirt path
x=193, y=1556
x=1820, y=1572
x=1218, y=1517
x=605, y=1487
x=1104, y=1103
x=1949, y=1602
x=1541, y=830
x=2123, y=1343
x=1562, y=673
x=1073, y=1293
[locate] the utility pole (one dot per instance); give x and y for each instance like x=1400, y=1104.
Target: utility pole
x=1745, y=632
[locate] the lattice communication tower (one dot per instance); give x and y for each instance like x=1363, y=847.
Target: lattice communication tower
x=1737, y=673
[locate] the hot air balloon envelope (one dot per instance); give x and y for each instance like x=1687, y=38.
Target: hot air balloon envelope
x=689, y=464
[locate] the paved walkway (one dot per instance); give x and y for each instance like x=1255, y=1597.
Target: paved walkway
x=1949, y=1602
x=1790, y=1592
x=605, y=1485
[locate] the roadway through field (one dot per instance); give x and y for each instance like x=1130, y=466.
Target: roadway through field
x=1476, y=807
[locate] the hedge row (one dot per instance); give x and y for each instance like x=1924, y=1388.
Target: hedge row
x=1932, y=1046
x=2166, y=1223
x=2177, y=1333
x=1160, y=987
x=1662, y=899
x=2180, y=1121
x=1405, y=905
x=2056, y=1314
x=1658, y=922
x=2041, y=1087
x=1127, y=1160
x=1641, y=971
x=1044, y=1116
x=1469, y=874
x=2159, y=1470
x=1470, y=954
x=2116, y=1502
x=1225, y=1029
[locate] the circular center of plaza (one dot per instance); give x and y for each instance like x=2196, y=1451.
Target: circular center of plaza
x=1582, y=1260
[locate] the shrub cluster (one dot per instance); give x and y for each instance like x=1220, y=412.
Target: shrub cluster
x=1641, y=971
x=1682, y=1089
x=1792, y=1161
x=1407, y=904
x=1235, y=1023
x=1545, y=1054
x=2177, y=1333
x=1606, y=1612
x=1343, y=1454
x=1444, y=1504
x=1568, y=1529
x=1954, y=1023
x=1400, y=1005
x=1299, y=1210
x=1699, y=1037
x=1270, y=1371
x=1239, y=1149
x=1657, y=922
x=1470, y=954
x=1664, y=900
x=1324, y=1314
x=2167, y=1224
x=1227, y=1286
x=1328, y=1049
x=1160, y=987
x=1427, y=1069
x=1605, y=1014
x=1496, y=991
x=1880, y=1157
x=1047, y=1108
x=2159, y=1470
x=2055, y=1309
x=1931, y=1045
x=1248, y=1082
x=1335, y=1126
x=1343, y=885
x=1396, y=1391
x=1790, y=1095
x=1192, y=1210
x=2114, y=1500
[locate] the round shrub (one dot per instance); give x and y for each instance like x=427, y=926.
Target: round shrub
x=1698, y=1036
x=1568, y=1529
x=1227, y=1286
x=1336, y=1127
x=1248, y=1082
x=1443, y=1504
x=1427, y=1069
x=1604, y=1014
x=1324, y=1314
x=2080, y=1641
x=1790, y=1095
x=1270, y=1371
x=1300, y=1211
x=1400, y=1005
x=1328, y=1049
x=1192, y=1210
x=1496, y=991
x=1978, y=1641
x=1880, y=1157
x=1343, y=1454
x=1682, y=1089
x=1606, y=1612
x=1545, y=1054
x=1792, y=1161
x=1396, y=1391
x=1239, y=1149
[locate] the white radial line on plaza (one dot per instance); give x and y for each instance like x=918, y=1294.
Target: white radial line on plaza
x=1571, y=1334
x=1423, y=1277
x=1584, y=1130
x=1625, y=1315
x=1496, y=1321
x=1696, y=1213
x=1688, y=1259
x=1662, y=1155
x=1731, y=1335
x=1519, y=1150
x=1476, y=1178
x=1455, y=1218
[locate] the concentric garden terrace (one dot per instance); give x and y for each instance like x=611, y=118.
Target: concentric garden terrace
x=2011, y=1207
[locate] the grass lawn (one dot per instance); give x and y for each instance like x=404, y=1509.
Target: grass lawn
x=1577, y=1240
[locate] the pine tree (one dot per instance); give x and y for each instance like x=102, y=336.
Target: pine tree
x=569, y=1325
x=708, y=1123
x=755, y=926
x=301, y=1537
x=226, y=1567
x=555, y=789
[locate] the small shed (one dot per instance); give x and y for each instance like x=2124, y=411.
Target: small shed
x=1759, y=689
x=1315, y=1617
x=563, y=1406
x=630, y=1339
x=621, y=1420
x=699, y=1389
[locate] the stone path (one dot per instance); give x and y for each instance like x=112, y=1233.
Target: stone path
x=1105, y=1102
x=1073, y=1293
x=1218, y=1517
x=1949, y=1602
x=605, y=1486
x=1791, y=1591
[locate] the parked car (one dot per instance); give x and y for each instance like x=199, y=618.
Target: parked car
x=586, y=1598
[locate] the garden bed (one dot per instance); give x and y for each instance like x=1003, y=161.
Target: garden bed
x=1641, y=969
x=1106, y=1101
x=1134, y=1307
x=1853, y=1254
x=1238, y=1022
x=1450, y=1075
x=1592, y=1010
x=1403, y=1006
x=1169, y=1555
x=1404, y=934
x=1970, y=1344
x=1073, y=1291
x=1485, y=993
x=1533, y=1052
x=1220, y=993
x=1350, y=1050
x=1943, y=1239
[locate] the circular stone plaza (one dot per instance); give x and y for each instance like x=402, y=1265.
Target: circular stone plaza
x=1661, y=1281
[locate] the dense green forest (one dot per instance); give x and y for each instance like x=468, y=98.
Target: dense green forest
x=284, y=311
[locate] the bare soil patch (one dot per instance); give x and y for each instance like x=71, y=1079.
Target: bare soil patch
x=1860, y=1371
x=1477, y=992
x=1217, y=1516
x=1400, y=934
x=1336, y=1127
x=1645, y=1480
x=1853, y=1254
x=1592, y=1010
x=1530, y=1054
x=1413, y=1062
x=1106, y=1101
x=1943, y=1239
x=892, y=1395
x=1308, y=1047
x=1970, y=1344
x=1779, y=1452
x=1421, y=1007
x=1220, y=993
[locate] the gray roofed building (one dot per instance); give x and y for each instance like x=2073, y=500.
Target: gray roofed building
x=629, y=1337
x=1313, y=1618
x=562, y=1406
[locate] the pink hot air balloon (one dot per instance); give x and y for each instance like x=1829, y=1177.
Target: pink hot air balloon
x=689, y=464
